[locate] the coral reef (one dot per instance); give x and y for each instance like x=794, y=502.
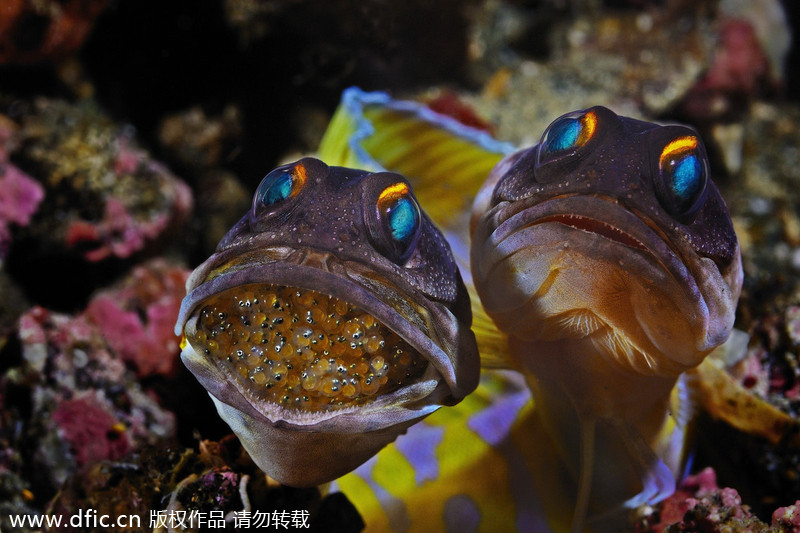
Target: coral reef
x=639, y=63
x=20, y=194
x=700, y=505
x=787, y=518
x=32, y=31
x=763, y=452
x=187, y=490
x=136, y=318
x=105, y=197
x=201, y=144
x=19, y=198
x=118, y=146
x=75, y=400
x=200, y=141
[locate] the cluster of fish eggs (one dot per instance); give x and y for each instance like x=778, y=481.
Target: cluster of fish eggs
x=304, y=349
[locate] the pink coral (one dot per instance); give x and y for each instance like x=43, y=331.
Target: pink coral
x=20, y=196
x=121, y=234
x=700, y=505
x=117, y=234
x=79, y=382
x=741, y=64
x=676, y=506
x=46, y=335
x=128, y=158
x=739, y=71
x=31, y=330
x=91, y=431
x=106, y=197
x=137, y=318
x=787, y=518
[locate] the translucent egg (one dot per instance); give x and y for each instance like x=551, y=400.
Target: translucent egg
x=303, y=349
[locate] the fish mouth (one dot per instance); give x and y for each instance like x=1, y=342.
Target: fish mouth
x=584, y=265
x=604, y=217
x=593, y=225
x=307, y=335
x=303, y=349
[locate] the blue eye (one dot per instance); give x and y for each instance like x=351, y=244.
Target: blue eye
x=563, y=135
x=280, y=184
x=276, y=188
x=400, y=217
x=686, y=177
x=683, y=176
x=403, y=219
x=567, y=133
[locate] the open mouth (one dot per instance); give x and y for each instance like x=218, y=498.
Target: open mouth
x=303, y=349
x=595, y=226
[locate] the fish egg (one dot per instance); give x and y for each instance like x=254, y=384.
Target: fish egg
x=303, y=349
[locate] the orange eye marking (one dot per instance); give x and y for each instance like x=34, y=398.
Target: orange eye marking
x=392, y=192
x=589, y=123
x=300, y=175
x=678, y=146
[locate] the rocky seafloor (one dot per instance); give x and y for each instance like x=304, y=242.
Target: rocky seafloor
x=132, y=134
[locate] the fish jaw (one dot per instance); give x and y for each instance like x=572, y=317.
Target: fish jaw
x=328, y=443
x=563, y=268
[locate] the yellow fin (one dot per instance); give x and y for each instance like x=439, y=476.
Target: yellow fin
x=724, y=398
x=445, y=161
x=492, y=344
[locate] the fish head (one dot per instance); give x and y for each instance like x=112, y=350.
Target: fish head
x=330, y=318
x=609, y=229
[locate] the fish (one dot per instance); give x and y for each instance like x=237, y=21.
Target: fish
x=607, y=256
x=515, y=471
x=329, y=320
x=500, y=459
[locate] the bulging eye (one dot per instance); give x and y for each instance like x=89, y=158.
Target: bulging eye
x=682, y=177
x=399, y=220
x=566, y=134
x=279, y=185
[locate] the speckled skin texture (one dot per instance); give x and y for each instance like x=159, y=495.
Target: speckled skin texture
x=326, y=238
x=607, y=294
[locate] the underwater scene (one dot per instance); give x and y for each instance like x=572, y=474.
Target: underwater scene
x=428, y=266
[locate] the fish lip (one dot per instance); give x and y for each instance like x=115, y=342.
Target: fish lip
x=640, y=233
x=329, y=275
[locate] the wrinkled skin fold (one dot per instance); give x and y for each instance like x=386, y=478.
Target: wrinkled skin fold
x=355, y=248
x=608, y=257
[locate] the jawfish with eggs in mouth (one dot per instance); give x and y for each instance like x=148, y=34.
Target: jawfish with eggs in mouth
x=330, y=319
